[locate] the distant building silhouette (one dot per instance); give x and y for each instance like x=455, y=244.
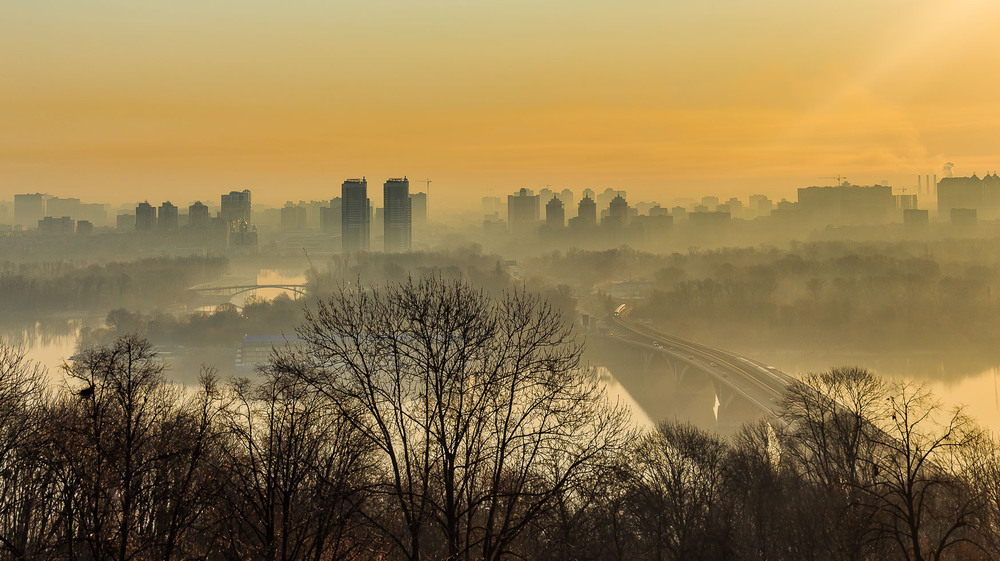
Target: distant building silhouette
x=397, y=217
x=982, y=195
x=93, y=212
x=522, y=210
x=418, y=209
x=586, y=214
x=293, y=217
x=609, y=194
x=492, y=206
x=125, y=223
x=329, y=217
x=617, y=212
x=84, y=227
x=566, y=196
x=355, y=215
x=53, y=225
x=198, y=215
x=846, y=204
x=29, y=208
x=915, y=218
x=242, y=238
x=236, y=207
x=760, y=205
x=57, y=206
x=166, y=218
x=905, y=202
x=555, y=215
x=145, y=217
x=710, y=222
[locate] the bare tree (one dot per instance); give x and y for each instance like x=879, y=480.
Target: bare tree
x=926, y=507
x=478, y=407
x=680, y=481
x=294, y=474
x=25, y=519
x=129, y=452
x=831, y=438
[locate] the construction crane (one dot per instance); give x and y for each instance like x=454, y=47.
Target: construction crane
x=840, y=178
x=427, y=205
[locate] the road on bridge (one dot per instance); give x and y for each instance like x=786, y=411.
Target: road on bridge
x=762, y=385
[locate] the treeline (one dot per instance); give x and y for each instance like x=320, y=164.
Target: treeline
x=866, y=296
x=40, y=288
x=225, y=325
x=429, y=420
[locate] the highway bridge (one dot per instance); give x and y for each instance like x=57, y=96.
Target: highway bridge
x=733, y=376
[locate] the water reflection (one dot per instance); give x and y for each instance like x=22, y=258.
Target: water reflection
x=957, y=379
x=50, y=341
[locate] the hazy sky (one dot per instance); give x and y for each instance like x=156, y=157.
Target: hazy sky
x=121, y=100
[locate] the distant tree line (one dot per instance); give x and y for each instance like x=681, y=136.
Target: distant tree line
x=34, y=289
x=869, y=296
x=225, y=325
x=430, y=420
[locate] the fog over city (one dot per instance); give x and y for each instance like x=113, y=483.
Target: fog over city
x=498, y=281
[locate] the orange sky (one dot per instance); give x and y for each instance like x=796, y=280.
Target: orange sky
x=111, y=100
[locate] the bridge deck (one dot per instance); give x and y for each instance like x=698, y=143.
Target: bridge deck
x=762, y=385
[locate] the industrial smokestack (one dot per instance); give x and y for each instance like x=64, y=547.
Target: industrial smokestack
x=920, y=185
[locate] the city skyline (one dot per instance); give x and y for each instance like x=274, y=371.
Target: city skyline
x=665, y=98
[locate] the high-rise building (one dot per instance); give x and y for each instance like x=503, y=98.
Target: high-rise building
x=586, y=212
x=760, y=205
x=57, y=206
x=166, y=219
x=544, y=194
x=983, y=195
x=145, y=217
x=95, y=213
x=398, y=217
x=846, y=204
x=492, y=206
x=555, y=215
x=29, y=209
x=293, y=217
x=198, y=215
x=418, y=209
x=617, y=212
x=566, y=196
x=329, y=217
x=236, y=207
x=355, y=216
x=522, y=210
x=609, y=194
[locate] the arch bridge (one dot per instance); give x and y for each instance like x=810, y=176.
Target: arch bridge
x=232, y=290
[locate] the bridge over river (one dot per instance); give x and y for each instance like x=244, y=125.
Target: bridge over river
x=743, y=388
